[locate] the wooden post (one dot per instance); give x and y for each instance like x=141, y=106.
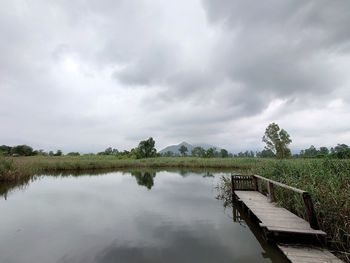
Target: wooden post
x=255, y=183
x=232, y=187
x=310, y=211
x=234, y=213
x=271, y=192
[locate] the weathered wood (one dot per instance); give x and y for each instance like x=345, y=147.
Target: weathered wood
x=310, y=211
x=293, y=230
x=232, y=188
x=255, y=183
x=278, y=221
x=280, y=184
x=242, y=182
x=302, y=254
x=268, y=214
x=271, y=192
x=247, y=182
x=233, y=183
x=309, y=207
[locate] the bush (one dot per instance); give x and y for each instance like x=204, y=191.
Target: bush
x=6, y=169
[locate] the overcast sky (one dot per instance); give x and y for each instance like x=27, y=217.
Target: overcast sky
x=84, y=75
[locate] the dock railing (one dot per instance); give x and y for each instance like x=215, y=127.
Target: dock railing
x=253, y=183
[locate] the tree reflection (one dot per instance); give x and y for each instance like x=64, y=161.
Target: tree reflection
x=7, y=187
x=144, y=178
x=208, y=174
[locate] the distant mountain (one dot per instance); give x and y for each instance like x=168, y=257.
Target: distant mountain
x=175, y=148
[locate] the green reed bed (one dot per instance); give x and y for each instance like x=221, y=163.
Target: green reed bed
x=21, y=166
x=328, y=182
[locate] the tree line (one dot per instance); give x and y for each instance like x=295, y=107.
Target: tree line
x=145, y=149
x=199, y=152
x=341, y=151
x=277, y=142
x=25, y=150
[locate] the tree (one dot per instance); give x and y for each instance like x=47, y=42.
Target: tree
x=324, y=151
x=183, y=150
x=198, y=152
x=109, y=151
x=210, y=153
x=311, y=152
x=23, y=150
x=266, y=153
x=6, y=150
x=277, y=140
x=146, y=149
x=342, y=151
x=223, y=153
x=58, y=153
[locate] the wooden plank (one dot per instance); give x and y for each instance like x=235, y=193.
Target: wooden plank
x=294, y=230
x=284, y=223
x=309, y=207
x=304, y=254
x=273, y=217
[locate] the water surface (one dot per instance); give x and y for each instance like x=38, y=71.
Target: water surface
x=125, y=217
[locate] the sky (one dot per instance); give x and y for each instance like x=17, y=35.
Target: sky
x=88, y=74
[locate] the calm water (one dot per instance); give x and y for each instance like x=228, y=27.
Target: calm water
x=124, y=217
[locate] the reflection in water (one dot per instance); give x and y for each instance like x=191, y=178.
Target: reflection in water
x=6, y=187
x=181, y=246
x=270, y=251
x=144, y=178
x=110, y=218
x=208, y=174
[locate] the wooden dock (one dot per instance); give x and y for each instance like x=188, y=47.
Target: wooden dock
x=305, y=254
x=279, y=224
x=273, y=217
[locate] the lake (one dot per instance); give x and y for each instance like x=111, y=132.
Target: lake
x=139, y=216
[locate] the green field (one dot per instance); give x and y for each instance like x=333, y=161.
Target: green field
x=327, y=180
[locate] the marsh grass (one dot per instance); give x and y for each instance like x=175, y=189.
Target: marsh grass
x=8, y=170
x=328, y=182
x=40, y=164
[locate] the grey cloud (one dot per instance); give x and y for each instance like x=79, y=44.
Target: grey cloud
x=271, y=49
x=217, y=64
x=279, y=50
x=326, y=21
x=150, y=68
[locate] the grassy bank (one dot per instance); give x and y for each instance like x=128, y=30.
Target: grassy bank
x=23, y=166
